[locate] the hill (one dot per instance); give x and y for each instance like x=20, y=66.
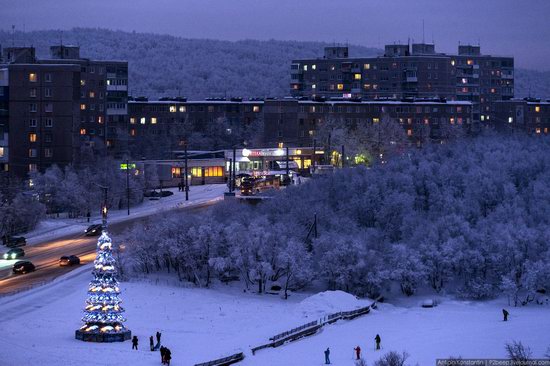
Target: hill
x=164, y=65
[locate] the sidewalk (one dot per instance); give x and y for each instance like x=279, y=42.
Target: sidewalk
x=49, y=229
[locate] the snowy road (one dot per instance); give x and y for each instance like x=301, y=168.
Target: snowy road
x=45, y=255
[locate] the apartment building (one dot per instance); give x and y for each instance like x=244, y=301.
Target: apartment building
x=529, y=115
x=297, y=122
x=158, y=127
x=56, y=106
x=404, y=71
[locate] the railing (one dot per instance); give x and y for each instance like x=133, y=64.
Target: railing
x=294, y=330
x=237, y=357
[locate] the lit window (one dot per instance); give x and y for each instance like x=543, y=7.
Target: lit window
x=92, y=94
x=133, y=120
x=510, y=119
x=82, y=131
x=154, y=120
x=453, y=62
x=409, y=132
x=133, y=132
x=314, y=86
x=357, y=76
x=142, y=120
x=173, y=109
x=1, y=152
x=452, y=120
x=482, y=118
x=314, y=67
x=82, y=82
x=375, y=120
x=310, y=132
x=33, y=78
x=493, y=90
x=83, y=107
x=256, y=108
x=32, y=137
x=366, y=86
x=464, y=81
x=366, y=66
x=340, y=86
x=305, y=67
x=182, y=109
x=33, y=168
x=99, y=119
x=537, y=109
x=470, y=62
x=537, y=130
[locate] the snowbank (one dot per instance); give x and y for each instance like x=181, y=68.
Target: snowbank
x=328, y=302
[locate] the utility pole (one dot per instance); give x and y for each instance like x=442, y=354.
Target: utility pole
x=128, y=185
x=313, y=156
x=186, y=175
x=287, y=167
x=104, y=208
x=343, y=157
x=230, y=174
x=234, y=169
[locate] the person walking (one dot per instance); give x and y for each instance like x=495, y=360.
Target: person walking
x=377, y=339
x=505, y=313
x=357, y=352
x=151, y=343
x=162, y=354
x=158, y=337
x=167, y=355
x=327, y=356
x=135, y=343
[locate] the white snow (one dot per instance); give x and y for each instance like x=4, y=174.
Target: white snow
x=202, y=324
x=328, y=302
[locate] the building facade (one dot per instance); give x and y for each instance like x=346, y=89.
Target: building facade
x=529, y=115
x=408, y=71
x=55, y=107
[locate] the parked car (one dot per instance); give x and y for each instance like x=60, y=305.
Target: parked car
x=69, y=260
x=158, y=193
x=23, y=267
x=14, y=241
x=93, y=230
x=14, y=253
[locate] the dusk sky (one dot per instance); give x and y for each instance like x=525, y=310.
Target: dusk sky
x=504, y=27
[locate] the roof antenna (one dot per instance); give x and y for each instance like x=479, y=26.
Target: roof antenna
x=423, y=34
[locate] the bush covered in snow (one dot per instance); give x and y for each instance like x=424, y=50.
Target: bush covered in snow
x=470, y=216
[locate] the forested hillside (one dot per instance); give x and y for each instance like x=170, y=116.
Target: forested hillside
x=162, y=65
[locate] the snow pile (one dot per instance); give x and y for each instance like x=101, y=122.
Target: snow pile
x=328, y=302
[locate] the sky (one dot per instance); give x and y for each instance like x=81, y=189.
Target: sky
x=519, y=28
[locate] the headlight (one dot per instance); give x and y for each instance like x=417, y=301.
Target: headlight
x=6, y=256
x=13, y=256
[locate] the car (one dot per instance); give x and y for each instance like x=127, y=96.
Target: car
x=158, y=194
x=14, y=253
x=93, y=230
x=23, y=267
x=69, y=260
x=14, y=241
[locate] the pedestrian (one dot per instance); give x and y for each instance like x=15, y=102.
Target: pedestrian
x=158, y=337
x=151, y=343
x=167, y=355
x=377, y=339
x=357, y=352
x=135, y=343
x=327, y=356
x=505, y=314
x=162, y=355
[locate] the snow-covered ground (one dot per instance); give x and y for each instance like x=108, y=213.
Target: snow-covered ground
x=201, y=324
x=53, y=228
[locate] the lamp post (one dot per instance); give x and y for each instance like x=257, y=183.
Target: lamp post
x=186, y=174
x=128, y=185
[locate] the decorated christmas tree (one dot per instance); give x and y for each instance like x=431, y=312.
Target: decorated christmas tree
x=103, y=314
